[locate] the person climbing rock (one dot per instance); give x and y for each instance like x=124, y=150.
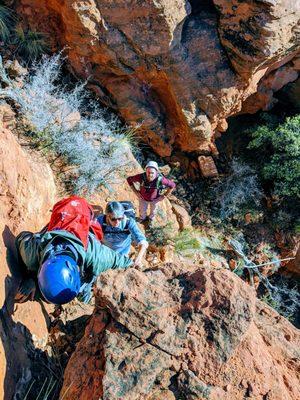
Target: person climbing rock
x=63, y=260
x=120, y=229
x=151, y=183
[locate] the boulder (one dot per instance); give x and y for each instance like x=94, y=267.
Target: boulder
x=207, y=167
x=8, y=120
x=289, y=245
x=183, y=217
x=166, y=333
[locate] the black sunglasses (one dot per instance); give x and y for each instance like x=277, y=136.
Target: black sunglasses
x=117, y=219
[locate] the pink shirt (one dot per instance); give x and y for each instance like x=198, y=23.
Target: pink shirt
x=148, y=190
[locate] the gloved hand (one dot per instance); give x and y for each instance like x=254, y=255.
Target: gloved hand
x=85, y=293
x=26, y=291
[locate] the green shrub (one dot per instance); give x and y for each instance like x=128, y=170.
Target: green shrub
x=6, y=22
x=185, y=242
x=29, y=44
x=297, y=227
x=279, y=152
x=160, y=235
x=191, y=242
x=282, y=220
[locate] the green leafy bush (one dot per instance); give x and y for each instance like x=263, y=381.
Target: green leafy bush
x=279, y=152
x=282, y=220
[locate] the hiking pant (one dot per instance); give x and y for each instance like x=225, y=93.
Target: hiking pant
x=143, y=206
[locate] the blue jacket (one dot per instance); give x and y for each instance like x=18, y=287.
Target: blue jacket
x=120, y=238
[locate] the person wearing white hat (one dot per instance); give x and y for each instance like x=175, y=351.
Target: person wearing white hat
x=151, y=183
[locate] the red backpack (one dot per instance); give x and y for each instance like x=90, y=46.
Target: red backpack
x=75, y=215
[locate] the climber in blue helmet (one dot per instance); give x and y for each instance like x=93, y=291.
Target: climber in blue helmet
x=56, y=263
x=59, y=279
x=65, y=258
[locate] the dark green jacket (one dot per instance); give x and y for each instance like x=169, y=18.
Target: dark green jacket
x=35, y=247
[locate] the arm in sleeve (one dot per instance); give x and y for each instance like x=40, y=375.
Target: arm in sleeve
x=100, y=258
x=168, y=183
x=28, y=248
x=133, y=179
x=137, y=234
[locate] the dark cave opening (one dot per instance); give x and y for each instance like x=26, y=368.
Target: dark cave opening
x=202, y=5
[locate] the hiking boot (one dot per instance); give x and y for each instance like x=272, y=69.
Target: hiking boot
x=26, y=291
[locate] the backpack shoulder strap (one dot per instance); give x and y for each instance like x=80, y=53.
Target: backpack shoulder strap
x=144, y=179
x=126, y=227
x=102, y=221
x=159, y=184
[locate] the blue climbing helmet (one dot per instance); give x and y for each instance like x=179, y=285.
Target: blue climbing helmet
x=59, y=279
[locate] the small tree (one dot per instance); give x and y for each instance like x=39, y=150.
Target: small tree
x=279, y=152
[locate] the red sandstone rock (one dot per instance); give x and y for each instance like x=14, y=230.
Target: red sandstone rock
x=182, y=216
x=207, y=167
x=177, y=71
x=289, y=246
x=8, y=120
x=27, y=195
x=166, y=333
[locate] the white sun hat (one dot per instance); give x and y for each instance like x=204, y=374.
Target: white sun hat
x=152, y=164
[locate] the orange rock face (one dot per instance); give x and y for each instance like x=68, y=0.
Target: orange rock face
x=167, y=334
x=176, y=68
x=27, y=194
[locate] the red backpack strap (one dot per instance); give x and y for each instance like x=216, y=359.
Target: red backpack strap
x=96, y=229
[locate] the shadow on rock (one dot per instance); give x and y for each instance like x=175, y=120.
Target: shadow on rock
x=29, y=370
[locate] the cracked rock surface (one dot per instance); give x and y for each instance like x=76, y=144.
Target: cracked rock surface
x=182, y=332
